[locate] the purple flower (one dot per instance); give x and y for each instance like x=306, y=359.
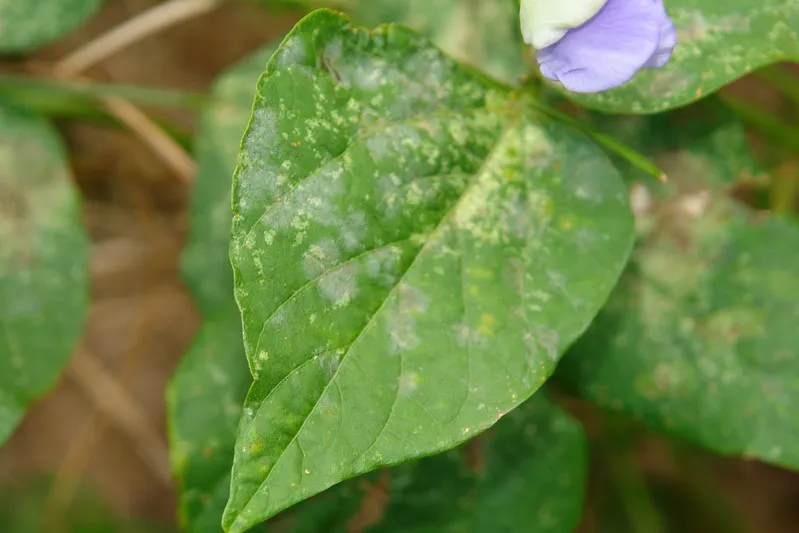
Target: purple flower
x=608, y=49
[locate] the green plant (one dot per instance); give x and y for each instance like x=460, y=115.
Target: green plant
x=430, y=247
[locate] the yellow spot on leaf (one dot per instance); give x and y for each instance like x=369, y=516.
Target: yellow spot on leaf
x=486, y=326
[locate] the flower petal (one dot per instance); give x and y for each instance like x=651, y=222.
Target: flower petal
x=668, y=40
x=607, y=51
x=545, y=22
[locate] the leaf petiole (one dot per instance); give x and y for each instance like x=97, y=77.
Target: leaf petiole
x=632, y=156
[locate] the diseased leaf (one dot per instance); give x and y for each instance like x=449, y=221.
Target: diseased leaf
x=43, y=263
x=204, y=400
x=718, y=42
x=483, y=33
x=27, y=24
x=206, y=259
x=699, y=339
x=696, y=140
x=413, y=247
x=526, y=474
x=306, y=4
x=206, y=392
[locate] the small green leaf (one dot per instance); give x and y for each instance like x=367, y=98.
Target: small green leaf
x=718, y=42
x=43, y=263
x=206, y=392
x=28, y=24
x=413, y=248
x=699, y=339
x=527, y=473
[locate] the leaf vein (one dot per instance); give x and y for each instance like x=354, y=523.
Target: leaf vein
x=445, y=217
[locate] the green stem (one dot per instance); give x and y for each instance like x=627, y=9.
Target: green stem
x=632, y=156
x=97, y=115
x=89, y=92
x=78, y=100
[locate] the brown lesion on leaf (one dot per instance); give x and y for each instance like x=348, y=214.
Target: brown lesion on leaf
x=373, y=503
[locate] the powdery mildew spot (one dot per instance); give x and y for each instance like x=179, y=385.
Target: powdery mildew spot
x=340, y=286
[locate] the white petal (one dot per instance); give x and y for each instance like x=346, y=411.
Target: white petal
x=545, y=22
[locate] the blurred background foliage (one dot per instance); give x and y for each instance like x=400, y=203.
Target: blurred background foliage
x=114, y=216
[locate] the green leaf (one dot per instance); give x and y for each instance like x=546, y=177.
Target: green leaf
x=28, y=24
x=718, y=42
x=206, y=392
x=699, y=339
x=484, y=34
x=527, y=473
x=205, y=262
x=43, y=263
x=204, y=401
x=413, y=248
x=706, y=139
x=306, y=4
